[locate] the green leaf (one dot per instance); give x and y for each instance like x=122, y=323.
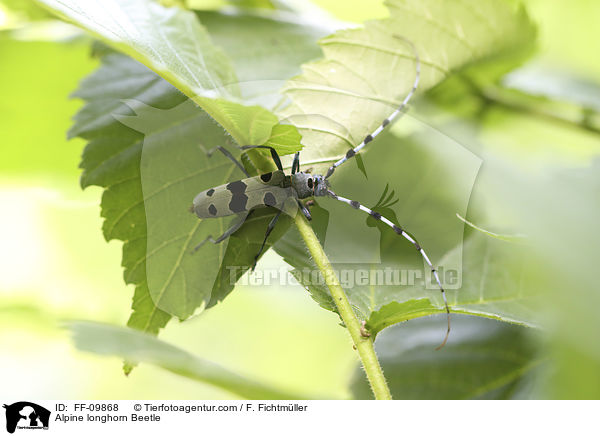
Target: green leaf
x=242, y=247
x=170, y=41
x=495, y=285
x=285, y=139
x=432, y=177
x=367, y=72
x=363, y=77
x=264, y=49
x=173, y=43
x=112, y=158
x=254, y=125
x=138, y=347
x=293, y=251
x=484, y=360
x=173, y=170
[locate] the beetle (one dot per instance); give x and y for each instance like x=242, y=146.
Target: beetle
x=285, y=192
x=274, y=189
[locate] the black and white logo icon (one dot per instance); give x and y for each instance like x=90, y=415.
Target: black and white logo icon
x=26, y=415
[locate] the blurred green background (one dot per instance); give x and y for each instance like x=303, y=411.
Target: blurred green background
x=56, y=266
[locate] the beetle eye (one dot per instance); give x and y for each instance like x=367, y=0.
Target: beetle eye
x=310, y=183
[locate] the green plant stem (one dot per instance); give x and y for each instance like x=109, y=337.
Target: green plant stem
x=575, y=116
x=364, y=345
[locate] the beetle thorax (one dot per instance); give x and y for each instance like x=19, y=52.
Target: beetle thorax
x=306, y=185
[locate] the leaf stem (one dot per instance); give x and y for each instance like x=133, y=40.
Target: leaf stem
x=364, y=345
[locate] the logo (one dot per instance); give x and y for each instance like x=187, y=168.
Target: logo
x=26, y=415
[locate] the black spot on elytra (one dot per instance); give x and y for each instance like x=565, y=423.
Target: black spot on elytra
x=237, y=187
x=266, y=177
x=238, y=202
x=269, y=199
x=210, y=192
x=212, y=209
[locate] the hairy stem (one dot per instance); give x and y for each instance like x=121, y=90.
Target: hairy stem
x=364, y=345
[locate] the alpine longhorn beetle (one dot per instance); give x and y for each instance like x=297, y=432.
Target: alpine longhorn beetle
x=280, y=191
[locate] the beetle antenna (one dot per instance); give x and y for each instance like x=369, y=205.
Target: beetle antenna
x=409, y=238
x=352, y=152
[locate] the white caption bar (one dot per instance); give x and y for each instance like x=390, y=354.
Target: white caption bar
x=296, y=417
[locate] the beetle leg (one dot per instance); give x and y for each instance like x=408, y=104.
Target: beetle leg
x=225, y=235
x=270, y=228
x=304, y=210
x=274, y=154
x=229, y=156
x=296, y=163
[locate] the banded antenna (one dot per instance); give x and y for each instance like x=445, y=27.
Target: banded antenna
x=409, y=238
x=352, y=152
